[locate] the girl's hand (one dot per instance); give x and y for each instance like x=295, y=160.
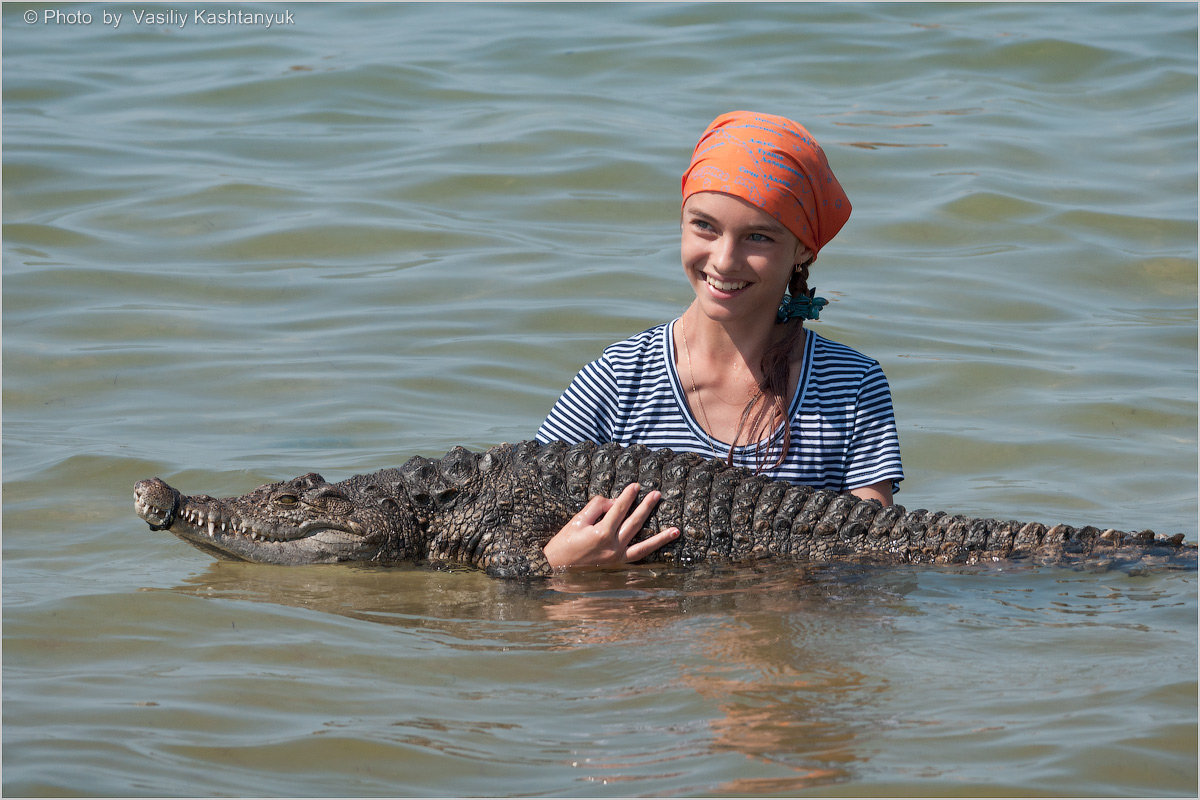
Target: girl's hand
x=601, y=532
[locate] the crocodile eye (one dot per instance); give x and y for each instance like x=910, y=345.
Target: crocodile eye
x=286, y=500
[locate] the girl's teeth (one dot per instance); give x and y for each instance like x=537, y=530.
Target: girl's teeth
x=725, y=286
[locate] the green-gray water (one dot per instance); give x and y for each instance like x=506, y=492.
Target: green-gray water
x=235, y=254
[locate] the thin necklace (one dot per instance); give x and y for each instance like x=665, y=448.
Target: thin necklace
x=706, y=426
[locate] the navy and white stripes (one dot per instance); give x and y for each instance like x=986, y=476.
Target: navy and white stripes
x=843, y=428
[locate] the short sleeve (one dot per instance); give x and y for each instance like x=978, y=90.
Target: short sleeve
x=873, y=453
x=585, y=411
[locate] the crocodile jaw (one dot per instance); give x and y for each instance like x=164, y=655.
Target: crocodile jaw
x=209, y=524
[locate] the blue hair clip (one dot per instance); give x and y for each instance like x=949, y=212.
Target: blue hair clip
x=800, y=307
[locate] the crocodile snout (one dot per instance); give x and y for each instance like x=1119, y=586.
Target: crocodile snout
x=155, y=502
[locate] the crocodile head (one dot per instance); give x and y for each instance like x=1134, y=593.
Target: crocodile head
x=302, y=521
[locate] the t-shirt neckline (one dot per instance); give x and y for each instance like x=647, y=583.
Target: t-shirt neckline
x=719, y=447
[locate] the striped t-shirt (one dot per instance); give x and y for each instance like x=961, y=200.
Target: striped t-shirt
x=843, y=428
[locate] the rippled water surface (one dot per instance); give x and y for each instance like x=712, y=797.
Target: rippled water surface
x=235, y=254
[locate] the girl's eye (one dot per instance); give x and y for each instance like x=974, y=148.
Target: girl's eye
x=761, y=238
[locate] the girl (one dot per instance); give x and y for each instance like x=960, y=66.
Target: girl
x=737, y=376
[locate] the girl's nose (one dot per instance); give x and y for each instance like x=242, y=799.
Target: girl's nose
x=723, y=257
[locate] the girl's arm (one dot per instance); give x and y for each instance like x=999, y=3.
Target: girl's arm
x=881, y=491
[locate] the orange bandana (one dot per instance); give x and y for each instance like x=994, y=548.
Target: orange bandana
x=777, y=166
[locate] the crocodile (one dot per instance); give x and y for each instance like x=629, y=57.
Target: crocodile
x=496, y=510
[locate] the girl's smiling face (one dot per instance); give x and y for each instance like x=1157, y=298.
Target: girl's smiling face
x=737, y=257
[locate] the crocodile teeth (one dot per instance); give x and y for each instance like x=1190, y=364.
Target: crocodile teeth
x=211, y=521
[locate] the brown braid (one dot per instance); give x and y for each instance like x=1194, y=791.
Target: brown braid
x=770, y=402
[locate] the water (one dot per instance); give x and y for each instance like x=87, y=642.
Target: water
x=235, y=254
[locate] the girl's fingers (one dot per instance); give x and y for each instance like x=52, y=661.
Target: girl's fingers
x=591, y=513
x=637, y=519
x=644, y=548
x=619, y=509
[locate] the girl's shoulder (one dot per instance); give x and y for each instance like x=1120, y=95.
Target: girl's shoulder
x=638, y=346
x=835, y=353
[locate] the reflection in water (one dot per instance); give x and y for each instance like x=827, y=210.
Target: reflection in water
x=774, y=658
